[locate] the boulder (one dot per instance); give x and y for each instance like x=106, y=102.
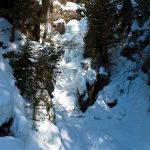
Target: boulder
x=59, y=26
x=70, y=15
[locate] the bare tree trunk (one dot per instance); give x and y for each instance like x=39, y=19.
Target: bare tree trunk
x=12, y=36
x=46, y=23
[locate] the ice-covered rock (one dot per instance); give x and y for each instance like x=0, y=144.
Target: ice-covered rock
x=103, y=71
x=6, y=105
x=91, y=76
x=81, y=84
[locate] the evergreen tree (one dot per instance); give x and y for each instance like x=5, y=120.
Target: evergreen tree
x=25, y=15
x=99, y=36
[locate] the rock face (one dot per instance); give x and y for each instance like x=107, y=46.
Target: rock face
x=66, y=10
x=59, y=26
x=5, y=128
x=71, y=14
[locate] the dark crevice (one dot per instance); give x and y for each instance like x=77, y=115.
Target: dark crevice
x=92, y=92
x=5, y=128
x=112, y=103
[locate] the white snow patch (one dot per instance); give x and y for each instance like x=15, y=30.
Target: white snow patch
x=71, y=6
x=60, y=20
x=134, y=3
x=11, y=143
x=103, y=71
x=91, y=76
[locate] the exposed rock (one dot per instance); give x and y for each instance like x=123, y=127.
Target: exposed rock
x=1, y=44
x=9, y=55
x=82, y=102
x=91, y=76
x=70, y=15
x=4, y=47
x=56, y=7
x=55, y=16
x=145, y=42
x=66, y=11
x=5, y=128
x=59, y=26
x=102, y=80
x=85, y=64
x=146, y=66
x=129, y=50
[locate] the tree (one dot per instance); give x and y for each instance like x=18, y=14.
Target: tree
x=99, y=36
x=25, y=16
x=46, y=8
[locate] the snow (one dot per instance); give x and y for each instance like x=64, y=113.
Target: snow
x=11, y=143
x=71, y=6
x=135, y=25
x=73, y=40
x=81, y=84
x=6, y=101
x=60, y=20
x=91, y=76
x=103, y=71
x=4, y=24
x=50, y=134
x=71, y=77
x=5, y=28
x=6, y=105
x=56, y=2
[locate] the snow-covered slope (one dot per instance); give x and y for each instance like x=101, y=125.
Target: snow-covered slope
x=12, y=105
x=123, y=127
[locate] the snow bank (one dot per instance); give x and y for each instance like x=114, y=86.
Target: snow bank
x=91, y=76
x=71, y=6
x=11, y=143
x=5, y=28
x=73, y=40
x=4, y=24
x=50, y=135
x=6, y=99
x=6, y=105
x=11, y=102
x=60, y=20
